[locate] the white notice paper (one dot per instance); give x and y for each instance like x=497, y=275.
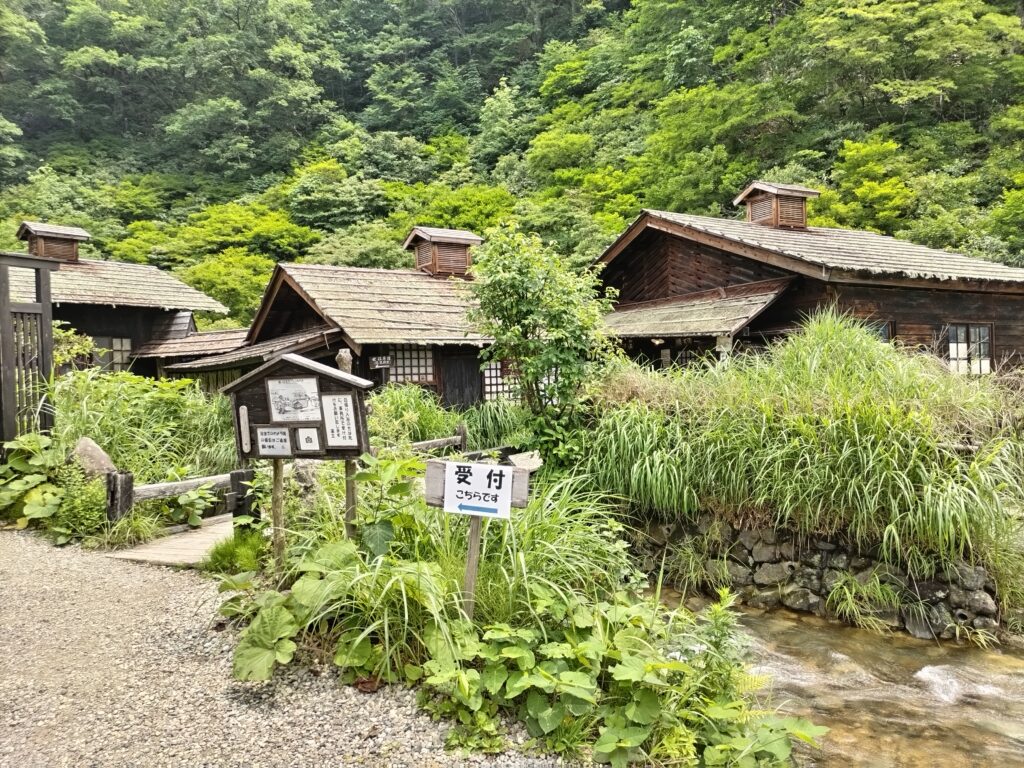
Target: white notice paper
x=482, y=490
x=273, y=441
x=340, y=421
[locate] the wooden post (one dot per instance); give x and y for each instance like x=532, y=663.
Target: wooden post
x=120, y=494
x=462, y=433
x=241, y=501
x=277, y=517
x=350, y=498
x=8, y=394
x=472, y=564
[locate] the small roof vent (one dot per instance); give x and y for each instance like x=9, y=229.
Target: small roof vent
x=52, y=241
x=442, y=252
x=783, y=206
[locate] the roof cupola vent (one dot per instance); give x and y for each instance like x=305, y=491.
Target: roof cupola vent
x=52, y=241
x=783, y=206
x=442, y=252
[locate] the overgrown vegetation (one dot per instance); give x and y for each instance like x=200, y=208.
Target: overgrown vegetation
x=828, y=433
x=561, y=638
x=157, y=430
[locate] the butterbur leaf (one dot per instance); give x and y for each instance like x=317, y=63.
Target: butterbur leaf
x=803, y=729
x=630, y=669
x=536, y=702
x=556, y=650
x=377, y=537
x=493, y=677
x=576, y=706
x=550, y=718
x=413, y=673
x=353, y=651
x=729, y=712
x=523, y=656
x=252, y=662
x=644, y=707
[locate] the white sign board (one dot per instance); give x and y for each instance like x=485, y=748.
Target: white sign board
x=481, y=490
x=273, y=441
x=293, y=399
x=340, y=421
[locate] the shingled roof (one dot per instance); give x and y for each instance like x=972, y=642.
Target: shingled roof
x=117, y=284
x=718, y=312
x=42, y=229
x=195, y=345
x=833, y=254
x=388, y=306
x=439, y=235
x=261, y=351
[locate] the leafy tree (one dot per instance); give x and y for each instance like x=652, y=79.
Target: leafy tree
x=253, y=226
x=324, y=196
x=234, y=277
x=547, y=322
x=371, y=244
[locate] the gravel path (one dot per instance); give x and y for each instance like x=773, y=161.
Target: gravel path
x=110, y=663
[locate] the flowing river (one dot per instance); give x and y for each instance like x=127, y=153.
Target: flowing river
x=892, y=702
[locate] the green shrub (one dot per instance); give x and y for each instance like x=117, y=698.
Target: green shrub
x=495, y=423
x=154, y=429
x=83, y=506
x=245, y=551
x=828, y=433
x=407, y=413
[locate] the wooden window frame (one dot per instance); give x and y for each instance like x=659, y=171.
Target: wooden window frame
x=956, y=363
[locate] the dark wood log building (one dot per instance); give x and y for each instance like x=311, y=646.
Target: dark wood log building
x=398, y=325
x=693, y=285
x=122, y=306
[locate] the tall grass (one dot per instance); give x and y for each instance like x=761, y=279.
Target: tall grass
x=497, y=423
x=153, y=429
x=829, y=433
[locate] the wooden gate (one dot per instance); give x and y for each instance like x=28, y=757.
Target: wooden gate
x=26, y=344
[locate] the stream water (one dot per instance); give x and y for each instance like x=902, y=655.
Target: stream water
x=892, y=702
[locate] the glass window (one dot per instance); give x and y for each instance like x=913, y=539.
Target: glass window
x=414, y=364
x=113, y=353
x=970, y=348
x=881, y=328
x=498, y=381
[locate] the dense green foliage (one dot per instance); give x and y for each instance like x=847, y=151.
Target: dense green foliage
x=561, y=638
x=832, y=433
x=235, y=133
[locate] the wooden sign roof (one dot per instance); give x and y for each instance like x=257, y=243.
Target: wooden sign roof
x=41, y=229
x=356, y=382
x=771, y=188
x=439, y=235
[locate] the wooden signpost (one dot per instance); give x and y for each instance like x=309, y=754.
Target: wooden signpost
x=481, y=491
x=294, y=407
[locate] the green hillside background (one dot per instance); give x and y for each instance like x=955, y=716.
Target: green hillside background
x=213, y=137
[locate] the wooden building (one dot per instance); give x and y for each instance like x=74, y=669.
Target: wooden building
x=695, y=285
x=122, y=306
x=401, y=325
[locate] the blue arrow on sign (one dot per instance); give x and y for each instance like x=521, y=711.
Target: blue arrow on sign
x=472, y=508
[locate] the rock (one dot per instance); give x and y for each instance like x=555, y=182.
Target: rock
x=957, y=596
x=970, y=578
x=931, y=591
x=739, y=575
x=808, y=579
x=305, y=473
x=830, y=579
x=801, y=599
x=981, y=602
x=859, y=563
x=838, y=560
x=812, y=558
x=748, y=538
x=787, y=550
x=91, y=458
x=774, y=573
x=530, y=461
x=768, y=535
x=764, y=599
x=823, y=545
x=765, y=553
x=987, y=623
x=658, y=533
x=890, y=574
x=935, y=621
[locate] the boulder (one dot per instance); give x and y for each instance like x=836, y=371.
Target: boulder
x=808, y=579
x=801, y=599
x=969, y=577
x=739, y=575
x=787, y=550
x=824, y=546
x=987, y=623
x=838, y=560
x=981, y=603
x=748, y=538
x=305, y=473
x=957, y=596
x=859, y=563
x=91, y=458
x=812, y=558
x=765, y=599
x=765, y=553
x=774, y=573
x=935, y=621
x=931, y=591
x=830, y=579
x=768, y=535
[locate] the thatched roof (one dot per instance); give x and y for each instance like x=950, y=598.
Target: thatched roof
x=388, y=306
x=116, y=284
x=831, y=254
x=718, y=312
x=195, y=345
x=261, y=351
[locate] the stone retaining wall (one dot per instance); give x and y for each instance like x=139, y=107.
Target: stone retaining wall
x=768, y=568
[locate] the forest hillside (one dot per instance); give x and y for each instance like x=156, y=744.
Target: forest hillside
x=214, y=137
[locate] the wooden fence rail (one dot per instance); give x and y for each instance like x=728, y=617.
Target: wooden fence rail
x=122, y=492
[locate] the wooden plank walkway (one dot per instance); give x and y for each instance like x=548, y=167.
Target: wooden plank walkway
x=185, y=549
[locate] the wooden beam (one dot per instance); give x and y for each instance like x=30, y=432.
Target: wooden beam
x=178, y=487
x=28, y=261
